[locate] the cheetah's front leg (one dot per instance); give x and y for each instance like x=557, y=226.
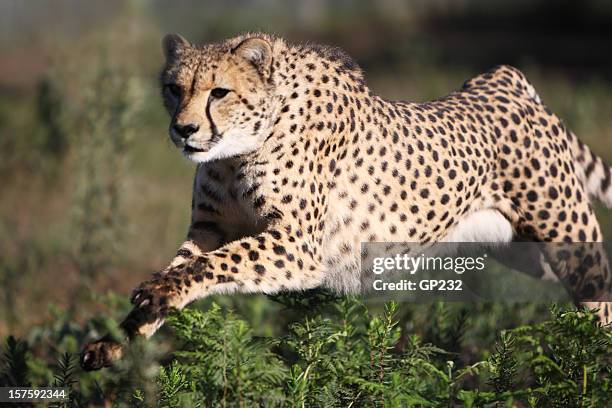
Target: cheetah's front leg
x=267, y=263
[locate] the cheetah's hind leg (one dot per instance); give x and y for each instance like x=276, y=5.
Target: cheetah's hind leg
x=581, y=266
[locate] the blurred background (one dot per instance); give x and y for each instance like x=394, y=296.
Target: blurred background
x=93, y=195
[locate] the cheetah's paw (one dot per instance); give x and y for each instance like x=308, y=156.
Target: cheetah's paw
x=156, y=297
x=101, y=353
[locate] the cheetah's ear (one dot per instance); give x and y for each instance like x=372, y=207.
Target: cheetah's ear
x=172, y=44
x=258, y=52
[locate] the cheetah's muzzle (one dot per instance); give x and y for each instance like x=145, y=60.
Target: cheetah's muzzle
x=191, y=149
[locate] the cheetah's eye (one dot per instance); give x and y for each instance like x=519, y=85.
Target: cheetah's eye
x=219, y=92
x=175, y=90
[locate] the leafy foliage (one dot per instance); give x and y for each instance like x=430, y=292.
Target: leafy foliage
x=224, y=361
x=345, y=354
x=503, y=364
x=14, y=363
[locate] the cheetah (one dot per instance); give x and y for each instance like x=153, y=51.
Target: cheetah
x=298, y=162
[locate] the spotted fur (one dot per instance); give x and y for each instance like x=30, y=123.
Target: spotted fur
x=299, y=162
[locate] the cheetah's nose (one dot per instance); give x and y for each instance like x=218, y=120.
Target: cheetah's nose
x=185, y=130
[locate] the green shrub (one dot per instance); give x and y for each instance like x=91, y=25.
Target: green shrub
x=342, y=355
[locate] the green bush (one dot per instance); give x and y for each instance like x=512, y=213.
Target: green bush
x=342, y=355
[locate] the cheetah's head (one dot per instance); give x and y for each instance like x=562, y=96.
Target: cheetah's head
x=220, y=96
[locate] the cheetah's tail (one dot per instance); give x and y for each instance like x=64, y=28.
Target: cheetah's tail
x=597, y=175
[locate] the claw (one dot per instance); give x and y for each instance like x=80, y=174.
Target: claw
x=86, y=358
x=144, y=303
